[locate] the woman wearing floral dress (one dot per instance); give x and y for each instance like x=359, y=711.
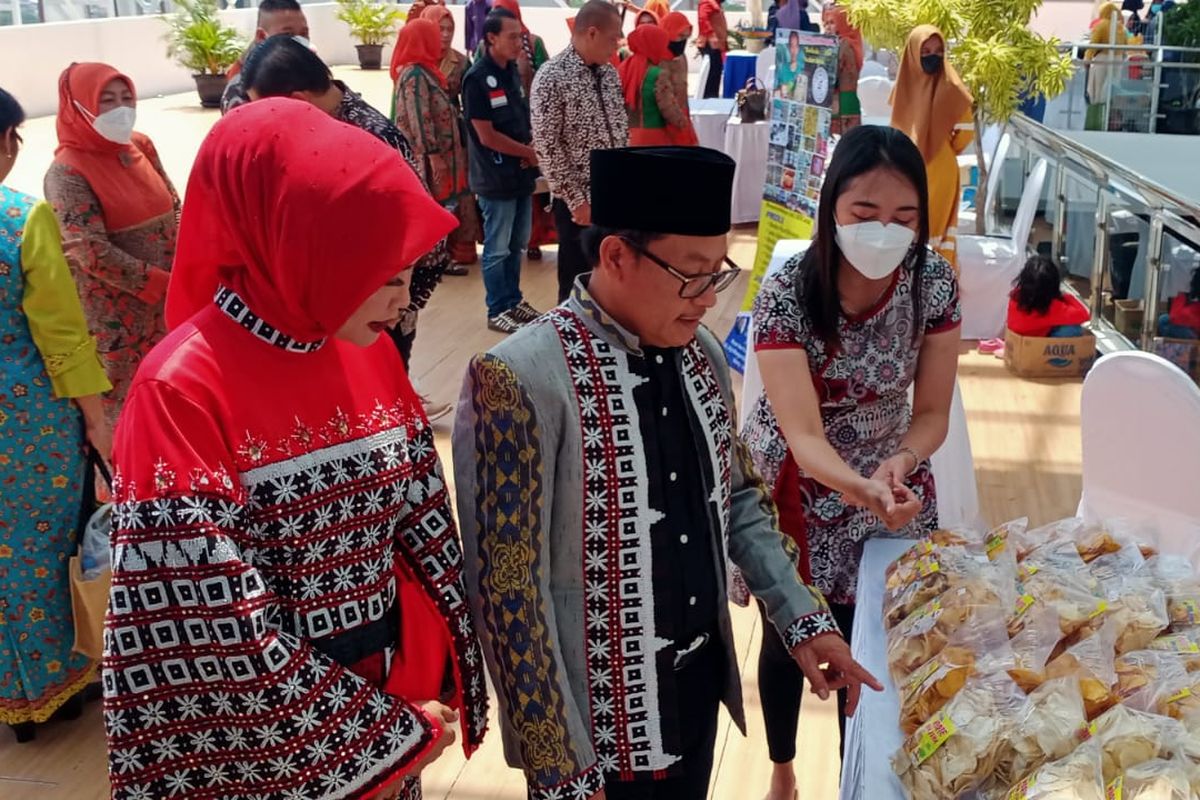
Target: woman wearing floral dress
x=52, y=376
x=868, y=312
x=427, y=116
x=119, y=217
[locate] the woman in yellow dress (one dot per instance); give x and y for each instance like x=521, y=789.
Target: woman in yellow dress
x=932, y=105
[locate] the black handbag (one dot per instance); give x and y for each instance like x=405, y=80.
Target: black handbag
x=752, y=101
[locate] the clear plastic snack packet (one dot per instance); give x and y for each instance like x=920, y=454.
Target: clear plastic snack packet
x=944, y=569
x=1061, y=590
x=957, y=750
x=998, y=538
x=1157, y=779
x=1047, y=728
x=981, y=647
x=1074, y=777
x=924, y=633
x=1136, y=606
x=1064, y=529
x=1178, y=581
x=1128, y=737
x=1178, y=698
x=1091, y=663
x=1184, y=642
x=1033, y=646
x=1141, y=673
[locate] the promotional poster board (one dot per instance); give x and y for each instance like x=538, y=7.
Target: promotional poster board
x=801, y=115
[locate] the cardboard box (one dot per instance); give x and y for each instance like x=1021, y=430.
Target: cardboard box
x=1183, y=353
x=1032, y=357
x=1129, y=315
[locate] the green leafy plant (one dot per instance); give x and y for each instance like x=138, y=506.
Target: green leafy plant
x=1000, y=60
x=198, y=41
x=1181, y=28
x=370, y=23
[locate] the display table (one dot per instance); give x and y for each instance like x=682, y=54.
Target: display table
x=747, y=145
x=709, y=118
x=740, y=66
x=873, y=733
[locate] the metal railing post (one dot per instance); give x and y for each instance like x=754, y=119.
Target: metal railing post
x=1100, y=255
x=1058, y=245
x=1154, y=265
x=1157, y=72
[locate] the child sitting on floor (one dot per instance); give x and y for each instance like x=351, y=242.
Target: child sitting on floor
x=1183, y=319
x=1037, y=306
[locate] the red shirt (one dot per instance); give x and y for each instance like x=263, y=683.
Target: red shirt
x=707, y=14
x=1185, y=313
x=1066, y=310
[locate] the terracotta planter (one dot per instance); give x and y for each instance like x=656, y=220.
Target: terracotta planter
x=210, y=88
x=370, y=56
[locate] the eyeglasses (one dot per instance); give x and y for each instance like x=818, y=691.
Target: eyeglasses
x=693, y=286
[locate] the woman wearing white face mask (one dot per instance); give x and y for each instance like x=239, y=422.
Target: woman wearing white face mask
x=841, y=333
x=119, y=216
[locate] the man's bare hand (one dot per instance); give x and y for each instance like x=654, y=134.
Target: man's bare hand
x=828, y=665
x=445, y=717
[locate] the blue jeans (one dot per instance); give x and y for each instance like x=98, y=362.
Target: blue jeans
x=1171, y=331
x=1066, y=331
x=506, y=226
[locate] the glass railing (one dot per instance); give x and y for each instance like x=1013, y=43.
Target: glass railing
x=1129, y=243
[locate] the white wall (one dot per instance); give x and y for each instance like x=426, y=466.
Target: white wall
x=33, y=56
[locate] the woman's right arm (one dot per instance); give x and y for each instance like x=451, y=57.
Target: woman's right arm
x=86, y=239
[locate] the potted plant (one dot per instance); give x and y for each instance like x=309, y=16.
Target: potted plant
x=198, y=41
x=1179, y=100
x=1001, y=61
x=373, y=25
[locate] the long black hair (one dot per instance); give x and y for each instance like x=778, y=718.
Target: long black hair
x=282, y=64
x=11, y=113
x=1038, y=285
x=862, y=150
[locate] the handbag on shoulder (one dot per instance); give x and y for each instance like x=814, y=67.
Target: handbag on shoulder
x=90, y=570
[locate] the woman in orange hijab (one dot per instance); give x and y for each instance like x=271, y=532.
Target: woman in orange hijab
x=650, y=99
x=118, y=214
x=427, y=116
x=847, y=110
x=454, y=65
x=931, y=105
x=679, y=29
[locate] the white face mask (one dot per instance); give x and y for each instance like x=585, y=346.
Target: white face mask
x=874, y=249
x=116, y=124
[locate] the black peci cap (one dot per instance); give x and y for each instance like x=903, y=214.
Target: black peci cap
x=685, y=191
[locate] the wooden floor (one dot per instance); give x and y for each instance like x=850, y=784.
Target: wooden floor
x=1025, y=437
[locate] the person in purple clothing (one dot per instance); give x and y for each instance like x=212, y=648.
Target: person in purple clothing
x=476, y=12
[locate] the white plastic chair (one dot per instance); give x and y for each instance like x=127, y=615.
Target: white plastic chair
x=764, y=68
x=1140, y=422
x=874, y=94
x=872, y=69
x=993, y=156
x=953, y=465
x=988, y=265
x=703, y=79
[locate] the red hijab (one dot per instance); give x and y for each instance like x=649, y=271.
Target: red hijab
x=842, y=27
x=512, y=7
x=675, y=24
x=302, y=215
x=122, y=177
x=648, y=44
x=420, y=42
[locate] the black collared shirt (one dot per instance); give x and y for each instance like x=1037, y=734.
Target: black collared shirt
x=686, y=589
x=494, y=94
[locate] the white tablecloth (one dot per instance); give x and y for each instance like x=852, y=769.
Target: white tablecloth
x=709, y=118
x=873, y=734
x=747, y=145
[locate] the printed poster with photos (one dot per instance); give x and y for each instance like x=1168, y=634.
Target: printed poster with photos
x=800, y=119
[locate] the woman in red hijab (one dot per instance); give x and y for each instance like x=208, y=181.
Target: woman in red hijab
x=282, y=522
x=679, y=29
x=454, y=65
x=847, y=110
x=650, y=98
x=117, y=211
x=428, y=116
